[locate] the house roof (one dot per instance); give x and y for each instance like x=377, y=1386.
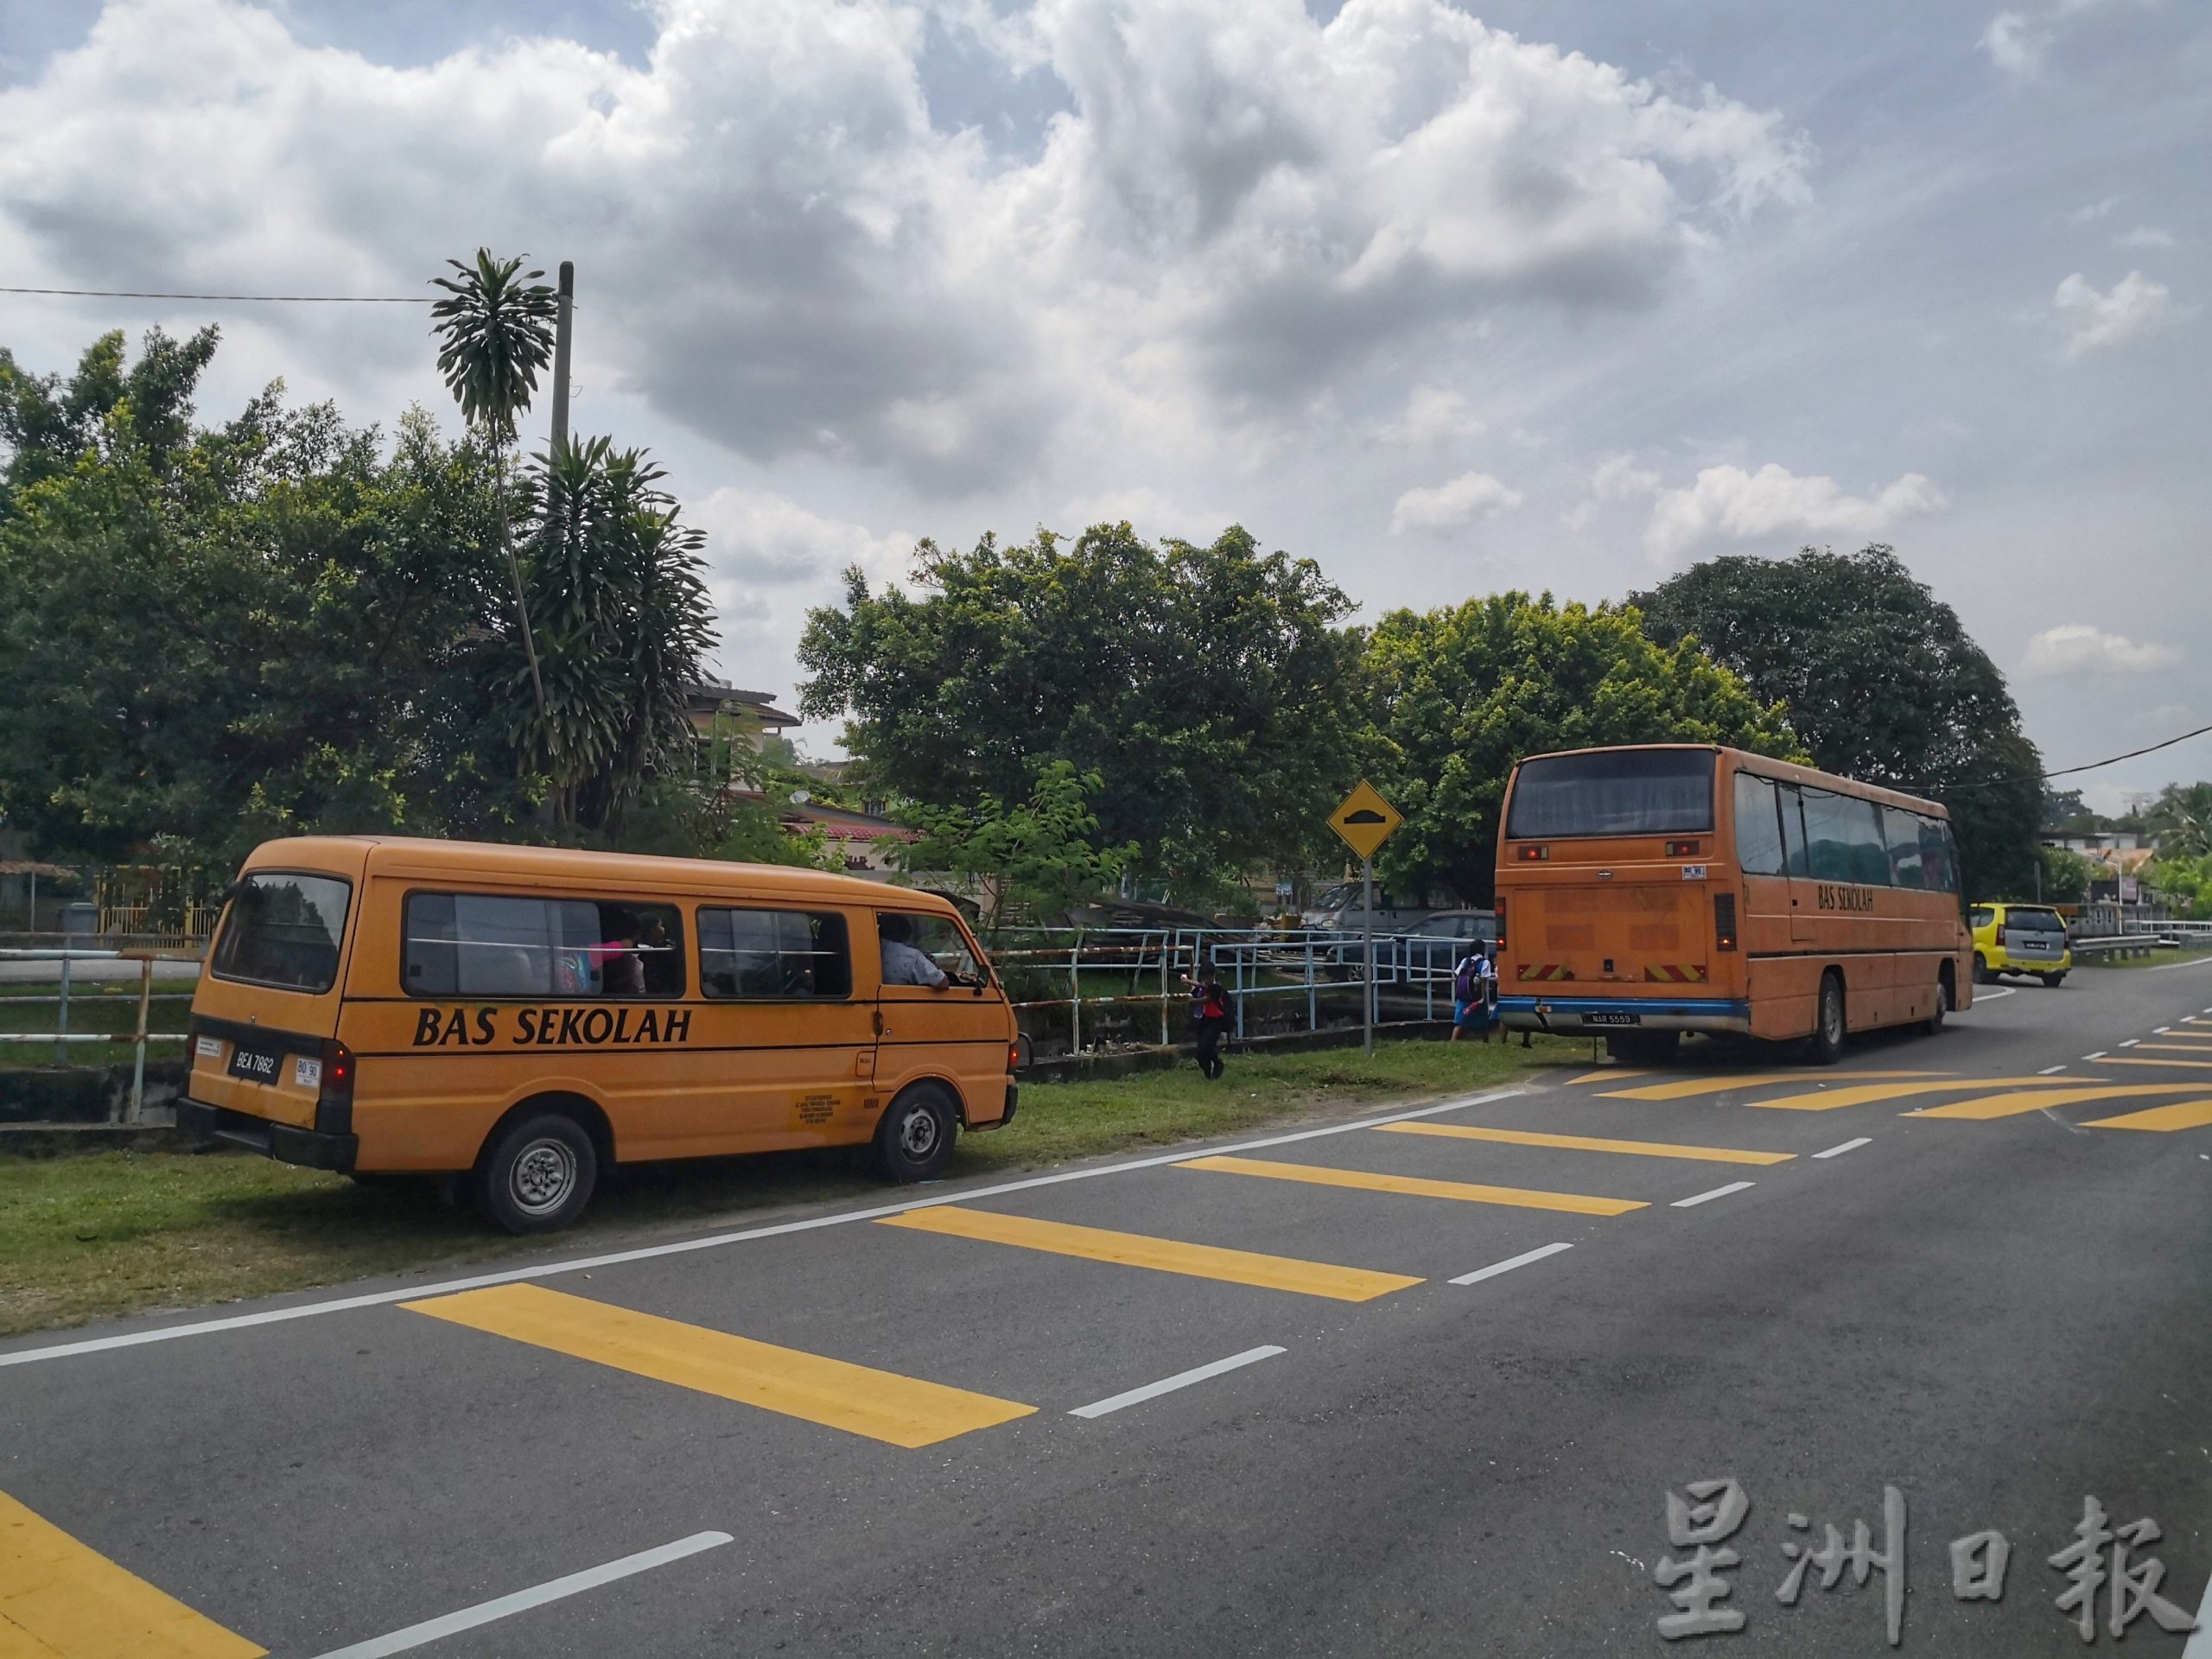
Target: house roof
x=708, y=696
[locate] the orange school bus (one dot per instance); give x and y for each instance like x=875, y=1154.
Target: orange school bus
x=1646, y=892
x=525, y=1016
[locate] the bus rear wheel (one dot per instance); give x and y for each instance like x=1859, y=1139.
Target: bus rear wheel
x=1941, y=1010
x=1825, y=1046
x=538, y=1175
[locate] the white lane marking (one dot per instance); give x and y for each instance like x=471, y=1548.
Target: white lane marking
x=2160, y=1031
x=1991, y=997
x=2099, y=1055
x=2167, y=967
x=522, y=1601
x=1181, y=1380
x=1521, y=1261
x=2050, y=1071
x=1717, y=1192
x=1848, y=1145
x=2131, y=1042
x=716, y=1240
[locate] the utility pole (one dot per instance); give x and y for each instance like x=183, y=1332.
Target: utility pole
x=562, y=329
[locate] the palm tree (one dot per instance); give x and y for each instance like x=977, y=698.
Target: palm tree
x=2182, y=821
x=496, y=332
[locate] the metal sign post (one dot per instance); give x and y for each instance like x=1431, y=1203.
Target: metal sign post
x=1364, y=820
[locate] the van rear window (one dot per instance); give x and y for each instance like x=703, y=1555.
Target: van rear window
x=1613, y=792
x=284, y=930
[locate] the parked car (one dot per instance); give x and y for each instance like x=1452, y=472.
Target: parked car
x=2020, y=939
x=1433, y=945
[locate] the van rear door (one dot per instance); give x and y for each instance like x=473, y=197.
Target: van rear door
x=269, y=996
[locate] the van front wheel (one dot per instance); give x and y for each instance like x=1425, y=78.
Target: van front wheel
x=538, y=1176
x=915, y=1140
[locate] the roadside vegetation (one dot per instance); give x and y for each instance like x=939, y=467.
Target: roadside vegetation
x=101, y=1234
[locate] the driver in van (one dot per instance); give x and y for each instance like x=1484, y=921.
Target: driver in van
x=903, y=964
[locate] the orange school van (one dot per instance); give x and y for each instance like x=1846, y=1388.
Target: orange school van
x=525, y=1016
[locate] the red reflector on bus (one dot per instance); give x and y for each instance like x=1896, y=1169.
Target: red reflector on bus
x=1682, y=850
x=1535, y=852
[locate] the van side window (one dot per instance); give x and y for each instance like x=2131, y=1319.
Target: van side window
x=773, y=953
x=483, y=944
x=1758, y=826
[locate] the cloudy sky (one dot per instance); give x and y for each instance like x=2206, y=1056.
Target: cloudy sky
x=1545, y=294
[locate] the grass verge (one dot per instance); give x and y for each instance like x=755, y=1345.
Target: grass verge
x=2156, y=959
x=101, y=1234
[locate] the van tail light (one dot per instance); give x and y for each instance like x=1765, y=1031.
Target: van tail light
x=1723, y=921
x=1012, y=1058
x=334, y=1104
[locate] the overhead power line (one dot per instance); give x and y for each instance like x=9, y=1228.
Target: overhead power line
x=257, y=299
x=2068, y=772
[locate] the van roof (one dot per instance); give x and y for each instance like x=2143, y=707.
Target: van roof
x=397, y=855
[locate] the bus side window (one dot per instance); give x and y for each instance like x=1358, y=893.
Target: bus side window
x=1758, y=826
x=1907, y=866
x=1788, y=796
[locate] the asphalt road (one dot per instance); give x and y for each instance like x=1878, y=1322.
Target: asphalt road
x=1997, y=1310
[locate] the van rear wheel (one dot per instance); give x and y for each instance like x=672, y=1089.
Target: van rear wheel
x=915, y=1140
x=538, y=1175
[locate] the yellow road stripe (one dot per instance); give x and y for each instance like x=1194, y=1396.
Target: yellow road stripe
x=2185, y=1065
x=1589, y=1143
x=903, y=1410
x=2160, y=1120
x=1519, y=1197
x=2200, y=1047
x=1609, y=1074
x=2034, y=1100
x=1828, y=1099
x=1684, y=1088
x=61, y=1600
x=1161, y=1255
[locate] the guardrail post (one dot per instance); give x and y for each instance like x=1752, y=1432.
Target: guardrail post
x=1165, y=951
x=1242, y=958
x=1313, y=998
x=61, y=1025
x=138, y=1061
x=1074, y=994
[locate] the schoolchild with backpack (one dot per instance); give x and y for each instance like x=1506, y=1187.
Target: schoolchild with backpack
x=1209, y=1020
x=1473, y=988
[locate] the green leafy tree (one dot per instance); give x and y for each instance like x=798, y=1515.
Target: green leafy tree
x=2185, y=883
x=495, y=329
x=2181, y=819
x=1460, y=694
x=2066, y=877
x=1882, y=682
x=1204, y=687
x=1033, y=858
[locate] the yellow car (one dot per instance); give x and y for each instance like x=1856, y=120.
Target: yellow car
x=2020, y=939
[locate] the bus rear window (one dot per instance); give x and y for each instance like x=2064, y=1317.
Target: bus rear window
x=283, y=930
x=1613, y=792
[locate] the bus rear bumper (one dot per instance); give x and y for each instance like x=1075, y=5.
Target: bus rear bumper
x=287, y=1143
x=1579, y=1015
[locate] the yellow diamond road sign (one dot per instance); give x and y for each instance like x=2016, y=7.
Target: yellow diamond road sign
x=1365, y=820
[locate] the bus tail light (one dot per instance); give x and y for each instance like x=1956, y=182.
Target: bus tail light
x=1682, y=850
x=1723, y=921
x=1498, y=904
x=334, y=1103
x=1534, y=853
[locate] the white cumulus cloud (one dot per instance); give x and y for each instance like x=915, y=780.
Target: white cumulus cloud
x=1447, y=506
x=2079, y=648
x=2133, y=306
x=1434, y=414
x=1729, y=503
x=2014, y=44
x=764, y=540
x=2145, y=236
x=1620, y=479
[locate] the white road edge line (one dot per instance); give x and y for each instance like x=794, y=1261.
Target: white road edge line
x=1848, y=1145
x=2050, y=1071
x=1717, y=1192
x=2200, y=1642
x=1521, y=1261
x=485, y=1612
x=2167, y=967
x=1181, y=1380
x=1991, y=997
x=649, y=1252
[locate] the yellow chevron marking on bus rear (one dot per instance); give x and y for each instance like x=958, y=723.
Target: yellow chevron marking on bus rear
x=2037, y=1100
x=1161, y=1255
x=2182, y=1065
x=61, y=1600
x=1589, y=1143
x=882, y=1405
x=2160, y=1120
x=1828, y=1100
x=1414, y=1186
x=1684, y=1088
x=1609, y=1074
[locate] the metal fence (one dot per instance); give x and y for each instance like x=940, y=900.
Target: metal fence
x=1298, y=979
x=61, y=1037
